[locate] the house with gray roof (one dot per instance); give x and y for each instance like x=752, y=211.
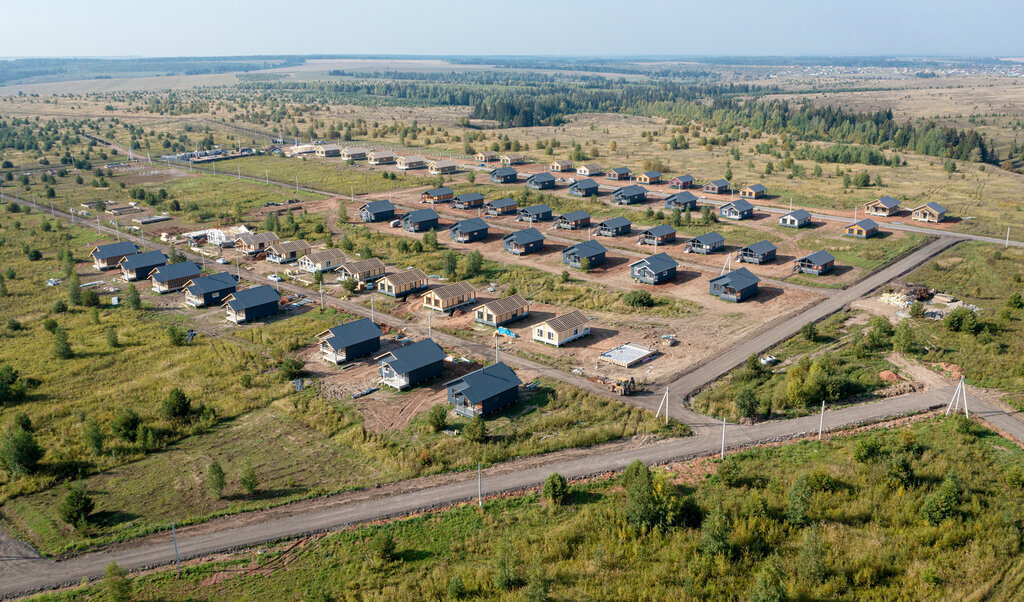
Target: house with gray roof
x=106, y=257
x=536, y=213
x=140, y=265
x=420, y=220
x=574, y=220
x=618, y=173
x=716, y=187
x=628, y=195
x=504, y=175
x=795, y=219
x=484, y=391
x=377, y=211
x=584, y=188
x=523, y=242
x=173, y=276
x=349, y=341
x=615, y=226
x=734, y=286
x=470, y=200
x=655, y=269
x=682, y=201
x=705, y=243
x=591, y=250
x=251, y=304
x=736, y=210
x=757, y=253
x=658, y=235
x=412, y=364
x=541, y=181
x=205, y=291
x=817, y=263
x=468, y=230
x=501, y=207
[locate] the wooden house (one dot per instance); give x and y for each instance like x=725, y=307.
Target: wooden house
x=365, y=270
x=658, y=235
x=628, y=195
x=649, y=177
x=328, y=150
x=757, y=253
x=468, y=230
x=885, y=206
x=326, y=260
x=736, y=210
x=929, y=212
x=681, y=182
x=584, y=188
x=504, y=175
x=511, y=159
x=411, y=365
x=486, y=156
x=590, y=250
x=562, y=329
x=377, y=211
x=411, y=162
x=574, y=220
x=734, y=286
x=502, y=311
x=442, y=166
x=619, y=173
x=705, y=243
x=380, y=157
x=615, y=226
x=817, y=263
x=795, y=219
x=205, y=291
x=501, y=207
x=536, y=213
x=450, y=297
x=523, y=242
x=287, y=251
x=656, y=269
x=865, y=228
x=255, y=242
x=420, y=220
x=140, y=265
x=484, y=391
x=540, y=181
x=353, y=153
x=401, y=284
x=106, y=257
x=471, y=200
x=349, y=341
x=560, y=165
x=754, y=191
x=681, y=200
x=173, y=276
x=437, y=195
x=589, y=169
x=717, y=187
x=251, y=304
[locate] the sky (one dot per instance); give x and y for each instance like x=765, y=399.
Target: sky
x=527, y=27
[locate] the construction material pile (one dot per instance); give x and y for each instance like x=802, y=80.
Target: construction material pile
x=897, y=299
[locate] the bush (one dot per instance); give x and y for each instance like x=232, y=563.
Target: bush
x=134, y=300
x=506, y=565
x=13, y=325
x=476, y=430
x=19, y=452
x=770, y=585
x=215, y=479
x=556, y=489
x=943, y=503
x=90, y=298
x=59, y=306
x=746, y=402
x=383, y=547
x=867, y=449
x=76, y=506
x=714, y=534
x=638, y=299
x=917, y=309
x=248, y=480
x=290, y=368
x=961, y=319
x=899, y=474
x=176, y=336
x=811, y=558
x=111, y=334
x=23, y=422
x=126, y=425
x=798, y=502
x=117, y=586
x=809, y=331
x=437, y=418
x=177, y=406
x=61, y=346
x=93, y=436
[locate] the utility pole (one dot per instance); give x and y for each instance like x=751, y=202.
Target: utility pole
x=428, y=324
x=177, y=559
x=821, y=423
x=723, y=439
x=1007, y=238
x=371, y=311
x=266, y=175
x=322, y=299
x=238, y=271
x=53, y=214
x=495, y=349
x=479, y=486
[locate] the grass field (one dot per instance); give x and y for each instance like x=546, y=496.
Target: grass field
x=328, y=175
x=811, y=520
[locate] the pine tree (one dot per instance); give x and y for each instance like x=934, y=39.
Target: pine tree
x=134, y=300
x=61, y=347
x=215, y=479
x=74, y=289
x=770, y=585
x=811, y=558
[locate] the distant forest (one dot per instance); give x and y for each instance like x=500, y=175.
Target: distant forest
x=65, y=69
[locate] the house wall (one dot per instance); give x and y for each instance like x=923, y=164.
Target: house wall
x=259, y=311
x=552, y=337
x=426, y=373
x=172, y=285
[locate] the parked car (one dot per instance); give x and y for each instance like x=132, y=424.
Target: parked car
x=221, y=260
x=274, y=277
x=769, y=360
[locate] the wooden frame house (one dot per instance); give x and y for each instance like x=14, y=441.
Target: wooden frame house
x=442, y=166
x=365, y=270
x=716, y=187
x=377, y=211
x=450, y=297
x=411, y=365
x=402, y=283
x=589, y=169
x=591, y=250
x=681, y=182
x=287, y=251
x=503, y=175
x=380, y=157
x=420, y=220
x=502, y=311
x=817, y=263
x=736, y=210
x=326, y=260
x=484, y=391
x=106, y=257
x=734, y=286
x=754, y=191
x=658, y=235
x=865, y=228
x=705, y=243
x=574, y=220
x=615, y=226
x=353, y=153
x=437, y=195
x=486, y=156
x=523, y=242
x=562, y=329
x=629, y=195
x=929, y=212
x=173, y=276
x=656, y=269
x=649, y=177
x=618, y=173
x=350, y=341
x=470, y=200
x=584, y=188
x=757, y=253
x=411, y=162
x=681, y=200
x=205, y=291
x=540, y=181
x=468, y=230
x=885, y=206
x=140, y=265
x=561, y=165
x=536, y=213
x=512, y=159
x=795, y=219
x=255, y=242
x=252, y=304
x=506, y=206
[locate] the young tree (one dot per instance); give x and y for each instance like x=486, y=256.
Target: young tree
x=536, y=589
x=746, y=402
x=61, y=347
x=476, y=430
x=76, y=506
x=770, y=585
x=93, y=436
x=585, y=265
x=450, y=263
x=111, y=335
x=177, y=406
x=809, y=331
x=904, y=340
x=474, y=262
x=3, y=287
x=810, y=561
x=249, y=481
x=134, y=301
x=506, y=567
x=126, y=425
x=117, y=585
x=437, y=418
x=714, y=534
x=74, y=289
x=19, y=452
x=555, y=490
x=215, y=479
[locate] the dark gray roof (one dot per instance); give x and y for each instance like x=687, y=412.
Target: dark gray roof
x=472, y=224
x=737, y=279
x=799, y=215
x=412, y=357
x=587, y=183
x=353, y=333
x=472, y=196
x=661, y=230
x=757, y=187
x=659, y=262
x=740, y=205
x=439, y=191
x=935, y=207
x=212, y=283
x=115, y=250
x=379, y=206
x=615, y=222
x=761, y=247
x=866, y=223
x=684, y=178
x=720, y=183
x=485, y=382
x=587, y=248
x=252, y=297
x=500, y=203
x=620, y=170
x=684, y=196
x=709, y=238
x=422, y=215
x=888, y=202
x=143, y=260
x=538, y=209
x=818, y=257
x=172, y=271
x=504, y=171
x=524, y=237
x=652, y=174
x=573, y=216
x=631, y=190
x=541, y=177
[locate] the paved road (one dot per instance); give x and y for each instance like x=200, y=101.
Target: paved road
x=21, y=571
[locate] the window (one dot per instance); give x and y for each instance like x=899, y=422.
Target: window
x=540, y=332
x=551, y=335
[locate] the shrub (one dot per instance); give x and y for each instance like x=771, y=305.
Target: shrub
x=76, y=506
x=248, y=480
x=23, y=422
x=867, y=449
x=638, y=299
x=126, y=425
x=13, y=325
x=111, y=334
x=961, y=319
x=19, y=452
x=917, y=309
x=746, y=402
x=290, y=368
x=555, y=489
x=899, y=474
x=176, y=336
x=117, y=586
x=456, y=588
x=770, y=584
x=177, y=406
x=476, y=430
x=798, y=502
x=134, y=300
x=809, y=331
x=215, y=479
x=61, y=347
x=943, y=503
x=90, y=298
x=714, y=534
x=93, y=436
x=506, y=565
x=437, y=418
x=383, y=547
x=811, y=558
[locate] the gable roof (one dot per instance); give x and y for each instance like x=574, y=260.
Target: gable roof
x=513, y=156
x=406, y=277
x=737, y=279
x=412, y=357
x=485, y=383
x=251, y=297
x=684, y=178
x=720, y=183
x=421, y=215
x=586, y=183
x=378, y=206
x=143, y=260
x=757, y=188
x=799, y=214
x=325, y=255
x=255, y=238
x=616, y=222
x=573, y=216
x=659, y=262
x=591, y=166
x=537, y=209
x=439, y=191
x=502, y=203
x=587, y=248
x=739, y=205
x=562, y=162
x=541, y=177
x=453, y=291
x=506, y=304
x=470, y=196
x=289, y=246
x=709, y=238
x=652, y=174
x=473, y=224
x=524, y=237
x=354, y=150
x=211, y=283
x=865, y=223
x=817, y=258
x=888, y=202
x=355, y=267
x=684, y=196
x=934, y=207
x=444, y=163
x=504, y=171
x=630, y=190
x=412, y=159
x=114, y=250
x=661, y=230
x=760, y=248
x=620, y=170
x=352, y=333
x=567, y=321
x=380, y=154
x=172, y=271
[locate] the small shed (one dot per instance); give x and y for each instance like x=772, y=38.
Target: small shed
x=757, y=253
x=591, y=250
x=657, y=235
x=251, y=304
x=411, y=162
x=205, y=291
x=681, y=182
x=501, y=207
x=504, y=175
x=589, y=169
x=682, y=201
x=754, y=191
x=865, y=228
x=885, y=206
x=795, y=219
x=140, y=265
x=734, y=286
x=523, y=242
x=655, y=269
x=450, y=297
x=560, y=165
x=470, y=200
x=349, y=341
x=420, y=220
x=705, y=243
x=173, y=276
x=325, y=260
x=586, y=187
x=562, y=329
x=649, y=177
x=574, y=220
x=442, y=166
x=717, y=187
x=411, y=365
x=486, y=156
x=437, y=195
x=287, y=251
x=817, y=263
x=365, y=270
x=541, y=181
x=627, y=195
x=401, y=284
x=502, y=311
x=619, y=173
x=615, y=226
x=511, y=159
x=929, y=212
x=536, y=213
x=377, y=211
x=737, y=210
x=380, y=157
x=106, y=257
x=484, y=391
x=468, y=230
